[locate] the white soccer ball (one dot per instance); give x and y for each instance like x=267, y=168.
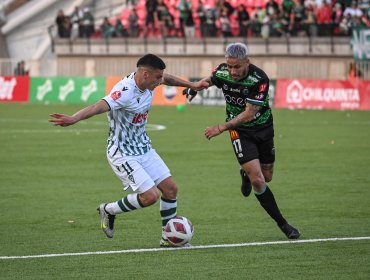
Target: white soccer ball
x=179, y=231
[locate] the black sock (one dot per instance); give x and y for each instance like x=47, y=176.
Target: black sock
x=267, y=201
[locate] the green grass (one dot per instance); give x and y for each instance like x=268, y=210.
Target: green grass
x=50, y=178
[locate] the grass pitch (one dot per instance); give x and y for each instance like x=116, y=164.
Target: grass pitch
x=52, y=179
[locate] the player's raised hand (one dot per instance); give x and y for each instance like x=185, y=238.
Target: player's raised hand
x=189, y=93
x=61, y=119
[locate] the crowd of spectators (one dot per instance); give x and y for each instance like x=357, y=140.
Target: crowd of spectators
x=225, y=19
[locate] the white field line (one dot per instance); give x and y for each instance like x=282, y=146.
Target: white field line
x=187, y=248
x=149, y=127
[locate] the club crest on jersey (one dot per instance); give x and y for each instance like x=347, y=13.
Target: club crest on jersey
x=116, y=95
x=262, y=87
x=259, y=96
x=131, y=178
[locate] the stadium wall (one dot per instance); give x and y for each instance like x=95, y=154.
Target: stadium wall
x=320, y=58
x=326, y=68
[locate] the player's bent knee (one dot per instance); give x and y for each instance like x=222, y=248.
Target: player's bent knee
x=268, y=177
x=168, y=189
x=149, y=197
x=258, y=183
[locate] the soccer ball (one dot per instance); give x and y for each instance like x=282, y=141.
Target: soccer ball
x=179, y=231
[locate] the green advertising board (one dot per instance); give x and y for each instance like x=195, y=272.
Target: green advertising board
x=67, y=90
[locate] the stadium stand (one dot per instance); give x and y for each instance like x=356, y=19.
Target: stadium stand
x=58, y=51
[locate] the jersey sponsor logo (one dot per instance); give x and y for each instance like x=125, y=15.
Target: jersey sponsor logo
x=235, y=100
x=140, y=117
x=124, y=88
x=234, y=135
x=116, y=95
x=235, y=90
x=263, y=87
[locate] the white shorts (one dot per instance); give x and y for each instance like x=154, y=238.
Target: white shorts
x=139, y=173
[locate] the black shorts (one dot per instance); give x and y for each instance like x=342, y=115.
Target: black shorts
x=249, y=145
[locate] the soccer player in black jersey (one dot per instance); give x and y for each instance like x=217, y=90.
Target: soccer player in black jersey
x=250, y=124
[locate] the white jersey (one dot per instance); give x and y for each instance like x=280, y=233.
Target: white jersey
x=129, y=108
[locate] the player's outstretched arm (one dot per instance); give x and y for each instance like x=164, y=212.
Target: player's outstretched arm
x=87, y=112
x=171, y=80
x=190, y=93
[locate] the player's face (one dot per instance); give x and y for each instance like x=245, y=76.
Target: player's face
x=154, y=78
x=237, y=67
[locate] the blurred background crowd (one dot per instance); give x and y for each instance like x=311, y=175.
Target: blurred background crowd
x=221, y=18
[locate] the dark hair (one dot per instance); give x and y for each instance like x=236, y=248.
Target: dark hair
x=151, y=60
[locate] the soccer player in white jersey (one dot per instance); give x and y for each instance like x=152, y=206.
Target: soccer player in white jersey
x=129, y=149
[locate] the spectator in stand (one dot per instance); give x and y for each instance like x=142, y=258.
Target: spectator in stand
x=266, y=24
x=263, y=22
x=151, y=15
x=243, y=20
x=323, y=16
x=345, y=26
x=189, y=23
x=354, y=73
x=287, y=7
x=184, y=6
x=337, y=17
x=223, y=5
x=87, y=24
x=162, y=17
x=67, y=27
x=287, y=15
x=60, y=23
x=76, y=18
x=107, y=29
x=357, y=23
x=225, y=24
x=119, y=29
x=276, y=26
x=201, y=12
x=255, y=25
x=354, y=10
x=298, y=18
x=20, y=70
x=211, y=17
x=272, y=8
x=171, y=26
x=310, y=21
x=133, y=20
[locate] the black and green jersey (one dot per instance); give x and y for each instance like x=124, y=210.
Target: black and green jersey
x=251, y=89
